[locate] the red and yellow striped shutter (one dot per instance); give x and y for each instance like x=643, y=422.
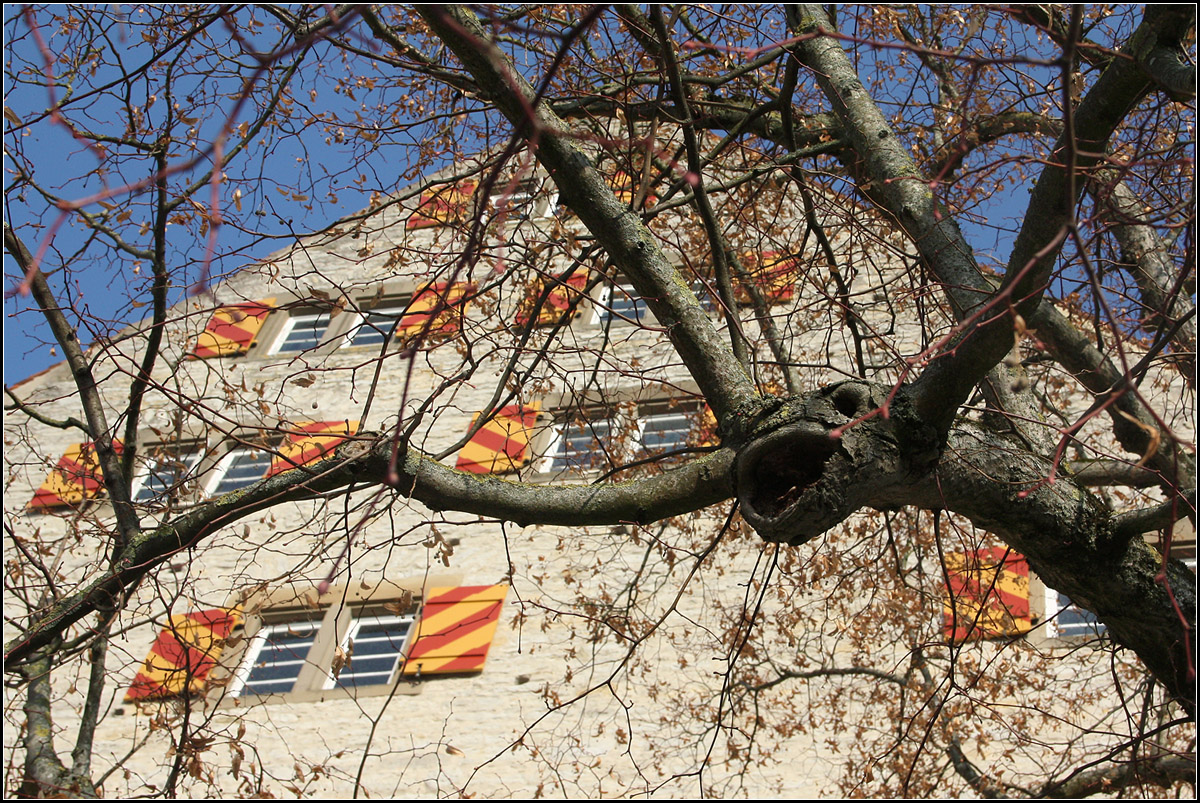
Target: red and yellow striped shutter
x=709, y=435
x=76, y=477
x=501, y=446
x=231, y=330
x=773, y=274
x=456, y=629
x=441, y=300
x=557, y=302
x=183, y=655
x=1004, y=581
x=310, y=442
x=441, y=206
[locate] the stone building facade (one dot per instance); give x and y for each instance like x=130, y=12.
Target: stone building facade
x=361, y=642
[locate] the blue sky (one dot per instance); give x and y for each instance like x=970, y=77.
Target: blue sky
x=110, y=290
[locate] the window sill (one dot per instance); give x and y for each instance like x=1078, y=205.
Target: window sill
x=407, y=686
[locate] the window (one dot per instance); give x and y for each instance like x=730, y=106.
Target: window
x=275, y=657
x=363, y=641
x=164, y=473
x=290, y=446
x=302, y=331
x=606, y=436
x=578, y=446
x=375, y=326
x=239, y=468
x=373, y=648
x=1066, y=619
x=356, y=640
x=620, y=303
x=524, y=200
x=662, y=429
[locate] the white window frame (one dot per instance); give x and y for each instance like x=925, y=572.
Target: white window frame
x=644, y=418
x=553, y=454
x=290, y=325
x=603, y=310
x=396, y=311
x=555, y=462
x=1090, y=628
x=351, y=645
x=299, y=667
x=529, y=200
x=226, y=463
x=602, y=306
x=183, y=462
x=254, y=649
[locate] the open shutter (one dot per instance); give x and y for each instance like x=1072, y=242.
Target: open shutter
x=500, y=446
x=773, y=273
x=456, y=629
x=990, y=594
x=444, y=302
x=76, y=477
x=557, y=302
x=310, y=442
x=442, y=205
x=231, y=330
x=183, y=655
x=709, y=435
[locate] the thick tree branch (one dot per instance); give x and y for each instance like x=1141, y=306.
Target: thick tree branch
x=1132, y=422
x=45, y=774
x=887, y=173
x=1163, y=772
x=721, y=378
x=1112, y=472
x=1050, y=212
x=1077, y=547
x=1159, y=517
x=1146, y=256
x=696, y=484
x=811, y=468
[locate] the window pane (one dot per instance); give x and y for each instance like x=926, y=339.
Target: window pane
x=375, y=326
x=303, y=332
x=276, y=656
x=623, y=304
x=665, y=432
x=707, y=302
x=244, y=467
x=378, y=646
x=163, y=474
x=1075, y=621
x=578, y=446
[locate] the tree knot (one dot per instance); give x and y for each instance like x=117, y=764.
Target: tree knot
x=805, y=470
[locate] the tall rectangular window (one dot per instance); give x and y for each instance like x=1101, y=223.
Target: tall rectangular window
x=1068, y=619
x=621, y=304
